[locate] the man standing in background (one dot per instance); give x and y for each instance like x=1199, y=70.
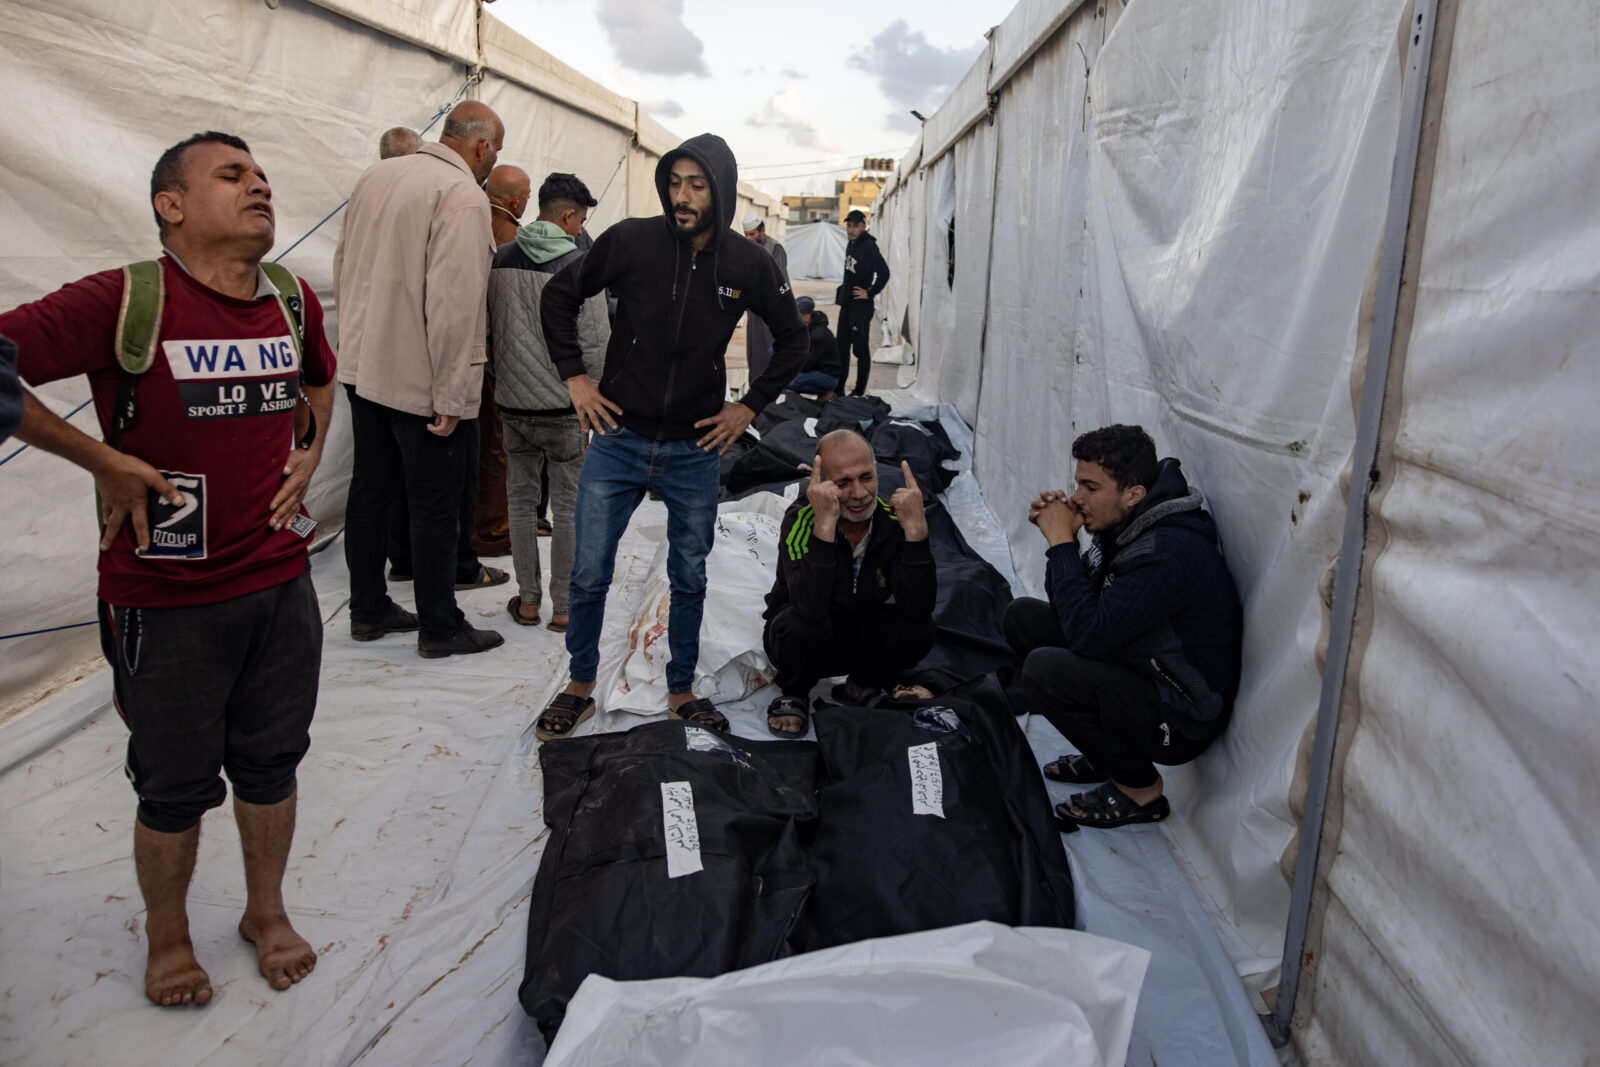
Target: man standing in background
x=544, y=441
x=865, y=275
x=757, y=334
x=412, y=274
x=398, y=141
x=509, y=190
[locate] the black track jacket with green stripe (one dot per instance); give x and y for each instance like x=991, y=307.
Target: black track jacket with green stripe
x=818, y=580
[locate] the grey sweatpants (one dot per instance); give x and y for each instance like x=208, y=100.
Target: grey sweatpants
x=535, y=443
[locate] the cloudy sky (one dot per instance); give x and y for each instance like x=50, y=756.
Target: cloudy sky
x=795, y=88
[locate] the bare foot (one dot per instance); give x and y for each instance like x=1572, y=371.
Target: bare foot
x=560, y=619
x=912, y=692
x=173, y=976
x=285, y=955
x=678, y=700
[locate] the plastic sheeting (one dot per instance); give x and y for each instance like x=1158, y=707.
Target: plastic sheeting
x=1187, y=211
x=1460, y=899
x=816, y=250
x=980, y=993
x=1188, y=254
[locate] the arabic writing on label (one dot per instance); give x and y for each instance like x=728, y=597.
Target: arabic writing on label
x=680, y=830
x=927, y=780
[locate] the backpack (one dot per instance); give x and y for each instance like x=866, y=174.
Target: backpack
x=139, y=325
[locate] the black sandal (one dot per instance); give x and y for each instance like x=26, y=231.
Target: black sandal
x=562, y=716
x=1073, y=768
x=702, y=712
x=1109, y=806
x=787, y=706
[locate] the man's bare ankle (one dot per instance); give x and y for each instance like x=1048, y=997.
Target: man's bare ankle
x=580, y=689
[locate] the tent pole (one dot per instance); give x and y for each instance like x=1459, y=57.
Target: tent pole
x=1364, y=478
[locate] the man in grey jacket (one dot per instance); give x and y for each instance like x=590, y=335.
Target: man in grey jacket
x=542, y=432
x=757, y=334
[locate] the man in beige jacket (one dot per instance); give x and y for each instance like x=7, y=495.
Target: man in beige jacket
x=411, y=274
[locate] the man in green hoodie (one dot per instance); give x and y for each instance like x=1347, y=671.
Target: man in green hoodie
x=542, y=433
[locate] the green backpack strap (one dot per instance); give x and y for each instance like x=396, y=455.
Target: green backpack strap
x=138, y=325
x=292, y=302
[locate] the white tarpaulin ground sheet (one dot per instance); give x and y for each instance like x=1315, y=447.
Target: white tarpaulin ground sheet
x=419, y=834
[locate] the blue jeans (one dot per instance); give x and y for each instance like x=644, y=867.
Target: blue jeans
x=814, y=381
x=618, y=469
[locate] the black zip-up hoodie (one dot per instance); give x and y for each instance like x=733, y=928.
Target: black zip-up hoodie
x=819, y=578
x=677, y=308
x=1155, y=595
x=864, y=266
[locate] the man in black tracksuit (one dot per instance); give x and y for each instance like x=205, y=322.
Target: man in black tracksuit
x=1135, y=657
x=659, y=412
x=855, y=586
x=865, y=275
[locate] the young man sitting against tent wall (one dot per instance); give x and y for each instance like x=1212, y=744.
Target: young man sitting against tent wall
x=855, y=587
x=1135, y=656
x=207, y=614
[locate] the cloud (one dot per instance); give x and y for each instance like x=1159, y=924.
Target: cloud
x=665, y=109
x=911, y=72
x=650, y=36
x=793, y=75
x=782, y=112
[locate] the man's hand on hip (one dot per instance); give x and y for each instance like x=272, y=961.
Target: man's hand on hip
x=123, y=481
x=860, y=293
x=296, y=480
x=725, y=426
x=594, y=410
x=443, y=425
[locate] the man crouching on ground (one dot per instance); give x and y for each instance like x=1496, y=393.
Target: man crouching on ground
x=207, y=614
x=1135, y=658
x=855, y=587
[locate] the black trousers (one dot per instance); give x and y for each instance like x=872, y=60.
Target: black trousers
x=393, y=449
x=1111, y=714
x=399, y=546
x=229, y=687
x=855, y=327
x=873, y=648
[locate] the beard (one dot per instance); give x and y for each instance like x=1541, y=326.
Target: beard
x=699, y=223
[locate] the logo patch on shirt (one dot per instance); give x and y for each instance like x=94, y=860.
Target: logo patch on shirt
x=233, y=379
x=730, y=292
x=177, y=532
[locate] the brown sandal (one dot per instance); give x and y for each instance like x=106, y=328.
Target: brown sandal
x=562, y=715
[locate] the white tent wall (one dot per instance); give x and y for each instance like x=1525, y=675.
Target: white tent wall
x=309, y=86
x=1187, y=205
x=1460, y=923
x=816, y=250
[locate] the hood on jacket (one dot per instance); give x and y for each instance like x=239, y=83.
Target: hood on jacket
x=544, y=241
x=1169, y=500
x=712, y=153
x=818, y=318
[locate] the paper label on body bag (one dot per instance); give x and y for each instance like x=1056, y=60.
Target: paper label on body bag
x=680, y=830
x=927, y=780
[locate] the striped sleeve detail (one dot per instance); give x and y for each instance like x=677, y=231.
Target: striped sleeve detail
x=799, y=538
x=887, y=510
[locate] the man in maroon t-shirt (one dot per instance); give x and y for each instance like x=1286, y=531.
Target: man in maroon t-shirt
x=207, y=614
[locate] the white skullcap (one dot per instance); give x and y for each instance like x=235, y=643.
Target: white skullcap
x=752, y=222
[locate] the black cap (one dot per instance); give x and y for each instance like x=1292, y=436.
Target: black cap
x=855, y=216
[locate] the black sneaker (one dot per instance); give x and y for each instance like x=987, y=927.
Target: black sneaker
x=463, y=642
x=399, y=574
x=396, y=620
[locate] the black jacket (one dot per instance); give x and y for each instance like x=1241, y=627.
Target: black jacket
x=1154, y=594
x=823, y=353
x=864, y=266
x=818, y=579
x=676, y=308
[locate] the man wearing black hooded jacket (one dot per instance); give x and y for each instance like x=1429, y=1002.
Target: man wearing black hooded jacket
x=1135, y=657
x=865, y=275
x=659, y=413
